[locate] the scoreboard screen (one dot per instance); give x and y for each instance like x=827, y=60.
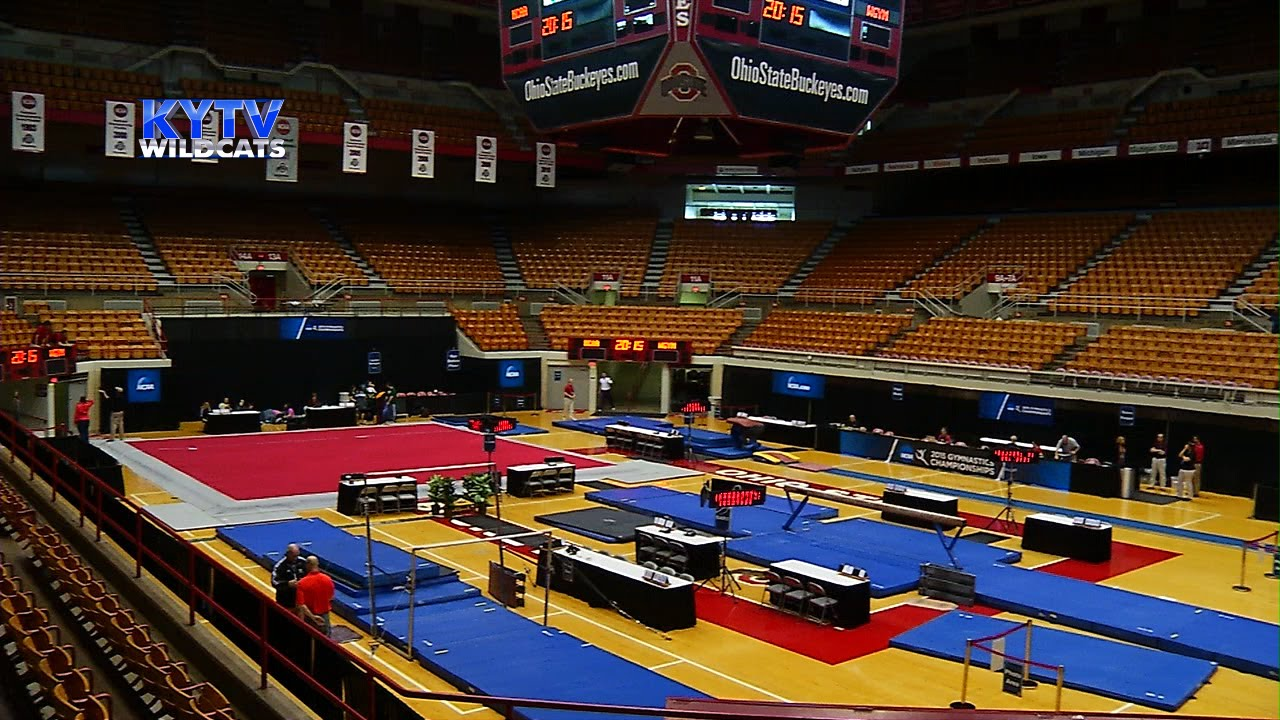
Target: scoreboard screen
x=37, y=362
x=629, y=350
x=819, y=66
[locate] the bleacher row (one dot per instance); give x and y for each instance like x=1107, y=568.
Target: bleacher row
x=1140, y=352
x=54, y=683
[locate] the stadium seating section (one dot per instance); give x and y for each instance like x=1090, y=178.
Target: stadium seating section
x=1177, y=262
x=1213, y=117
x=14, y=331
x=423, y=254
x=1024, y=344
x=839, y=333
x=101, y=334
x=750, y=258
x=907, y=143
x=880, y=255
x=493, y=329
x=50, y=675
x=1264, y=289
x=76, y=89
x=316, y=112
x=1044, y=132
x=704, y=329
x=1045, y=249
x=45, y=247
x=243, y=224
x=567, y=250
x=1183, y=355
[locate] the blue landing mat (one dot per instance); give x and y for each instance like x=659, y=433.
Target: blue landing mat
x=481, y=647
x=596, y=425
x=354, y=602
x=341, y=554
x=890, y=554
x=1129, y=673
x=1231, y=641
x=685, y=509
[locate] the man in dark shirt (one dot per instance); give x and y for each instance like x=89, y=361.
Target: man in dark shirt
x=1159, y=463
x=113, y=411
x=286, y=574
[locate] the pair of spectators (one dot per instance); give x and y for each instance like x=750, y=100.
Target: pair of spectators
x=46, y=336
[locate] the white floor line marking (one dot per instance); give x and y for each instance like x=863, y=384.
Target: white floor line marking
x=404, y=677
x=1193, y=522
x=1046, y=563
x=666, y=665
x=1122, y=708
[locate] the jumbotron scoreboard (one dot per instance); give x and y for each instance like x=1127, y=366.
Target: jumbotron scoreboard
x=753, y=71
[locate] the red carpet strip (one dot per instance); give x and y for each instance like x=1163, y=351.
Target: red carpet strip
x=820, y=642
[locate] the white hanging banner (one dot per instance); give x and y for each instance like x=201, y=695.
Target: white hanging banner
x=211, y=130
x=285, y=169
x=120, y=129
x=424, y=154
x=28, y=121
x=546, y=177
x=355, y=147
x=486, y=159
x=1199, y=146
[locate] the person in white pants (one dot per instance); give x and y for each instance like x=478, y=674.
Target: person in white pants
x=568, y=400
x=1184, y=484
x=1159, y=462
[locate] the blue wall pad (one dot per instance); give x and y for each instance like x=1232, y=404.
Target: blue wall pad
x=1142, y=676
x=890, y=554
x=341, y=554
x=685, y=509
x=481, y=647
x=1232, y=641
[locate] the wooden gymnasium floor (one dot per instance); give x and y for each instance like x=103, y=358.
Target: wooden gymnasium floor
x=727, y=664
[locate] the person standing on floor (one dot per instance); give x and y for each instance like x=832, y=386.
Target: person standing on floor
x=568, y=399
x=1186, y=471
x=606, y=390
x=1122, y=452
x=113, y=409
x=82, y=417
x=1159, y=462
x=1198, y=449
x=285, y=576
x=315, y=596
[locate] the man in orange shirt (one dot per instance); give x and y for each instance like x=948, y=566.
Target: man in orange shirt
x=315, y=595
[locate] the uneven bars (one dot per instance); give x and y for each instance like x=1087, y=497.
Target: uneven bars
x=872, y=503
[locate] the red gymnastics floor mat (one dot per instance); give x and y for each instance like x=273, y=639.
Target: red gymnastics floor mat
x=275, y=464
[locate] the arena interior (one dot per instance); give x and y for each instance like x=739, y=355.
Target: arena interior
x=595, y=359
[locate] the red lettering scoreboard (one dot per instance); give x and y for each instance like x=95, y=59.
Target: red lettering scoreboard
x=625, y=74
x=630, y=350
x=36, y=362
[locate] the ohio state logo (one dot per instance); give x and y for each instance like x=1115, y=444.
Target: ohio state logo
x=121, y=110
x=354, y=131
x=28, y=102
x=283, y=127
x=683, y=83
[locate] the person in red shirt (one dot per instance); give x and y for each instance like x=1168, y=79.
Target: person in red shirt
x=44, y=335
x=1197, y=449
x=82, y=417
x=315, y=595
x=568, y=400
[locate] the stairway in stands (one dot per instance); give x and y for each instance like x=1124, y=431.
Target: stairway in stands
x=750, y=321
x=938, y=261
x=142, y=240
x=536, y=333
x=824, y=248
x=376, y=281
x=658, y=251
x=1269, y=254
x=1103, y=253
x=1071, y=351
x=506, y=254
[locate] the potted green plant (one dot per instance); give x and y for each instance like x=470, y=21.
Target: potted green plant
x=478, y=488
x=443, y=496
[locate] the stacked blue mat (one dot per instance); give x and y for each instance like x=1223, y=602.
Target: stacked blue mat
x=342, y=555
x=481, y=647
x=1112, y=669
x=891, y=554
x=596, y=425
x=686, y=509
x=1232, y=641
x=703, y=442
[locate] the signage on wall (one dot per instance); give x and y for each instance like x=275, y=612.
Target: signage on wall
x=1015, y=408
x=312, y=328
x=375, y=363
x=452, y=360
x=896, y=392
x=979, y=462
x=142, y=386
x=803, y=385
x=1128, y=414
x=510, y=373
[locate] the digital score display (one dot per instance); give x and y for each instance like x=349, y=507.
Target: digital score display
x=629, y=350
x=1017, y=455
x=571, y=26
x=35, y=362
x=491, y=424
x=814, y=27
x=725, y=493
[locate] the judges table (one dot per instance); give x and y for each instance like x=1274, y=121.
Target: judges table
x=540, y=479
x=787, y=432
x=919, y=500
x=701, y=552
x=852, y=595
x=643, y=441
x=1061, y=535
x=330, y=416
x=388, y=492
x=238, y=421
x=605, y=581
